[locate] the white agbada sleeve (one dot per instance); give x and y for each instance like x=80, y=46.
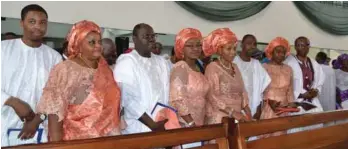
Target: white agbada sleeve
x=328, y=93
x=4, y=97
x=126, y=77
x=261, y=82
x=319, y=76
x=297, y=76
x=318, y=81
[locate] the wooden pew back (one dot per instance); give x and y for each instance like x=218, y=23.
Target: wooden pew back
x=228, y=135
x=148, y=140
x=324, y=138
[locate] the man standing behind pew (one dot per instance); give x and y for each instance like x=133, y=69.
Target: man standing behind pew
x=308, y=78
x=144, y=81
x=327, y=96
x=255, y=77
x=25, y=65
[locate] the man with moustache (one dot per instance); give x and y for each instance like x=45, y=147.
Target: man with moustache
x=25, y=65
x=144, y=81
x=255, y=77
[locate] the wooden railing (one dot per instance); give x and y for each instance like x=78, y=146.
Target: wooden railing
x=227, y=135
x=332, y=137
x=149, y=140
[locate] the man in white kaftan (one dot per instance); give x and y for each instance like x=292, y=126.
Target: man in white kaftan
x=299, y=78
x=327, y=96
x=255, y=77
x=25, y=71
x=25, y=66
x=144, y=80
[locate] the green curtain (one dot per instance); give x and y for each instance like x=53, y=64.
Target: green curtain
x=223, y=11
x=331, y=18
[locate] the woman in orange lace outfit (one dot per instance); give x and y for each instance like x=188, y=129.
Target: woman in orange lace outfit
x=188, y=86
x=81, y=98
x=280, y=89
x=227, y=95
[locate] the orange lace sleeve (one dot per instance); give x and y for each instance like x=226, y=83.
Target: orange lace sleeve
x=178, y=89
x=53, y=99
x=214, y=93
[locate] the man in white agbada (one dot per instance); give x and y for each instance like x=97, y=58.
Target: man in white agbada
x=144, y=81
x=25, y=65
x=308, y=79
x=327, y=96
x=255, y=77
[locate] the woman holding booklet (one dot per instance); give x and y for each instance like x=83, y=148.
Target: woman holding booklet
x=279, y=94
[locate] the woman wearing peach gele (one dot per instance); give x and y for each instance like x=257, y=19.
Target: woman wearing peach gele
x=227, y=95
x=280, y=90
x=81, y=98
x=188, y=86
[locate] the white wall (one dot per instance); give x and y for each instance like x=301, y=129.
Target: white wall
x=278, y=19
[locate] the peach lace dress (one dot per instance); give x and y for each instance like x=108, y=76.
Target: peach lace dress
x=225, y=91
x=87, y=101
x=188, y=91
x=280, y=89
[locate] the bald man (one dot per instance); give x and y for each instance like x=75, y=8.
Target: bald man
x=144, y=81
x=109, y=51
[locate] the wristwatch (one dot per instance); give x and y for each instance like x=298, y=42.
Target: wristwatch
x=191, y=123
x=43, y=117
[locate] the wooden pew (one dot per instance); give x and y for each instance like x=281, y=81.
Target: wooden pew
x=228, y=135
x=332, y=137
x=149, y=140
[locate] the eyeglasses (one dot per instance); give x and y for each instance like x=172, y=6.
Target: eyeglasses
x=149, y=36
